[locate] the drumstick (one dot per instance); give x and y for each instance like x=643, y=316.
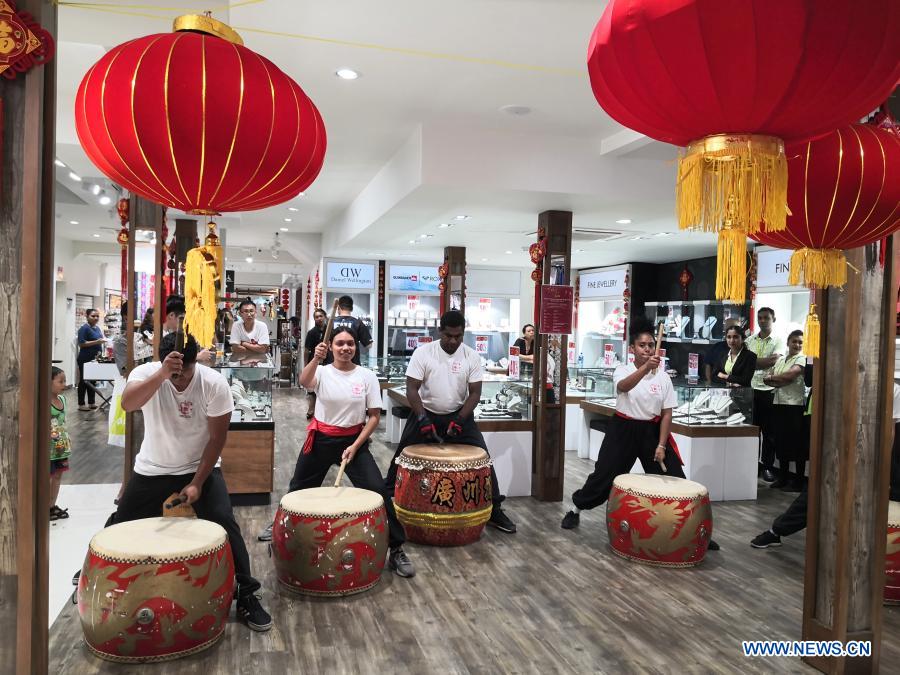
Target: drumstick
x=179, y=336
x=180, y=499
x=659, y=337
x=330, y=327
x=337, y=481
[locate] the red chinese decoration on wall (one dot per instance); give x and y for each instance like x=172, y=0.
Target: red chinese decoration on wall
x=23, y=43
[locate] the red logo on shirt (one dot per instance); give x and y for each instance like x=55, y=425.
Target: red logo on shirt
x=455, y=367
x=186, y=409
x=358, y=390
x=655, y=389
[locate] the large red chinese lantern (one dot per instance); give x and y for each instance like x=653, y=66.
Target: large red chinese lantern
x=733, y=80
x=196, y=121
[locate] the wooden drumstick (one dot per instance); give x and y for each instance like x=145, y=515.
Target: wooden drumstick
x=330, y=327
x=337, y=481
x=179, y=336
x=659, y=337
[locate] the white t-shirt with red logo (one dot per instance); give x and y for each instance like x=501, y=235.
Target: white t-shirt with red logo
x=648, y=398
x=258, y=335
x=175, y=422
x=445, y=377
x=343, y=397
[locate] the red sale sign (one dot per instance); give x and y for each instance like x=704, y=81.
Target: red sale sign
x=514, y=362
x=412, y=302
x=484, y=304
x=481, y=344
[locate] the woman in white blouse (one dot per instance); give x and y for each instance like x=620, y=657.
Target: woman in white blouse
x=790, y=392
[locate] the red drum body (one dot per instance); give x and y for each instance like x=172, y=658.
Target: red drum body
x=659, y=520
x=443, y=493
x=330, y=541
x=892, y=556
x=155, y=589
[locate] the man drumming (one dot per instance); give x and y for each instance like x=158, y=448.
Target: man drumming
x=640, y=428
x=187, y=408
x=443, y=385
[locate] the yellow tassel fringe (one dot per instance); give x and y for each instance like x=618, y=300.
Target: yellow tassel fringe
x=812, y=334
x=213, y=247
x=818, y=268
x=731, y=269
x=750, y=169
x=200, y=276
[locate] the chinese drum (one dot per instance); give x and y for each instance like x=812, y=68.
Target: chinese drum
x=892, y=556
x=155, y=589
x=330, y=540
x=443, y=493
x=659, y=520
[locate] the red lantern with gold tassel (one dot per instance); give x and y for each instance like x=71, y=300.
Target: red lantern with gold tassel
x=196, y=121
x=733, y=80
x=843, y=193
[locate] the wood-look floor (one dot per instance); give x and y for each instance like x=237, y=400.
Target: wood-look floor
x=543, y=600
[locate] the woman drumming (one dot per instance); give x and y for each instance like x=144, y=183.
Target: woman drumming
x=790, y=390
x=348, y=408
x=737, y=367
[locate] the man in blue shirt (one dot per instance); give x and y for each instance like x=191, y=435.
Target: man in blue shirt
x=90, y=341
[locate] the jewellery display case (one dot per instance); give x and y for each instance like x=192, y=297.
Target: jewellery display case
x=595, y=383
x=504, y=399
x=695, y=321
x=248, y=458
x=603, y=310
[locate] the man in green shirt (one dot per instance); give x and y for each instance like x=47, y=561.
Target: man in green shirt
x=767, y=349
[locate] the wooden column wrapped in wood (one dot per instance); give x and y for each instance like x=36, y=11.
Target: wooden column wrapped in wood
x=454, y=294
x=850, y=461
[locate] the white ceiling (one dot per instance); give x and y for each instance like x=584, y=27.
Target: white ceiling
x=433, y=79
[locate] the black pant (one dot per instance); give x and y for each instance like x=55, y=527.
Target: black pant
x=82, y=386
x=794, y=519
x=363, y=472
x=470, y=435
x=791, y=444
x=143, y=498
x=625, y=441
x=895, y=465
x=762, y=417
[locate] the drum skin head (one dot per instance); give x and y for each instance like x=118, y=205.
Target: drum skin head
x=331, y=501
x=158, y=538
x=445, y=452
x=664, y=486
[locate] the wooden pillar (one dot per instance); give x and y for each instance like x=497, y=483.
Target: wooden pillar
x=26, y=329
x=850, y=461
x=548, y=446
x=455, y=293
x=185, y=240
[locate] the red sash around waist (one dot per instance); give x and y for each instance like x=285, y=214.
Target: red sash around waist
x=671, y=440
x=329, y=430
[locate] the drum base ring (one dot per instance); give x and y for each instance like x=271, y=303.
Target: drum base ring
x=296, y=590
x=655, y=563
x=155, y=659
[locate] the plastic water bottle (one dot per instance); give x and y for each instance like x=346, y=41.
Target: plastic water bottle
x=580, y=362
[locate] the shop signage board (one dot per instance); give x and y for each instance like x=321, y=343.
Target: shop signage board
x=557, y=304
x=359, y=276
x=414, y=278
x=607, y=283
x=481, y=344
x=773, y=268
x=514, y=362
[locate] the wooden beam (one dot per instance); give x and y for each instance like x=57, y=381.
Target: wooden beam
x=455, y=291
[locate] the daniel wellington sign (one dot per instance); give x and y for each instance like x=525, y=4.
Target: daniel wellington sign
x=349, y=275
x=602, y=284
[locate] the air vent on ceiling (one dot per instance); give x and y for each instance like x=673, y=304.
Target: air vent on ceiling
x=587, y=234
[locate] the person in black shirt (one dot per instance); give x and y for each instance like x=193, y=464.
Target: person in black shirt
x=313, y=337
x=526, y=344
x=359, y=330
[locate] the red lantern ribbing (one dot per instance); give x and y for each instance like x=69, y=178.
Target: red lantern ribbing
x=196, y=121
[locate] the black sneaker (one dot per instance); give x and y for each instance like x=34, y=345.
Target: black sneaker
x=501, y=521
x=266, y=534
x=250, y=610
x=768, y=475
x=765, y=540
x=401, y=564
x=570, y=520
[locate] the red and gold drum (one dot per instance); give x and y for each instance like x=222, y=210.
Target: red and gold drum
x=443, y=493
x=330, y=540
x=892, y=556
x=155, y=589
x=659, y=520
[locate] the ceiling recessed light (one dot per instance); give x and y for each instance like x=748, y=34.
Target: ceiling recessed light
x=73, y=222
x=249, y=258
x=95, y=189
x=96, y=235
x=579, y=250
x=508, y=252
x=74, y=176
x=301, y=194
x=59, y=162
x=445, y=225
x=105, y=201
x=462, y=217
x=347, y=74
x=484, y=260
x=288, y=220
x=412, y=241
x=662, y=234
x=516, y=110
x=376, y=254
x=637, y=238
x=293, y=208
x=624, y=221
x=283, y=229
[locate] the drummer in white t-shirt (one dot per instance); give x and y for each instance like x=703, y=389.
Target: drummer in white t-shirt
x=187, y=409
x=348, y=408
x=249, y=335
x=443, y=385
x=640, y=428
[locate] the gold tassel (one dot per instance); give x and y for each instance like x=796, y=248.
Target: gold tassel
x=200, y=277
x=731, y=269
x=818, y=268
x=214, y=247
x=752, y=169
x=812, y=333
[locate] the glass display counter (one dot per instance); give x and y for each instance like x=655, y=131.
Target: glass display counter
x=248, y=458
x=695, y=321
